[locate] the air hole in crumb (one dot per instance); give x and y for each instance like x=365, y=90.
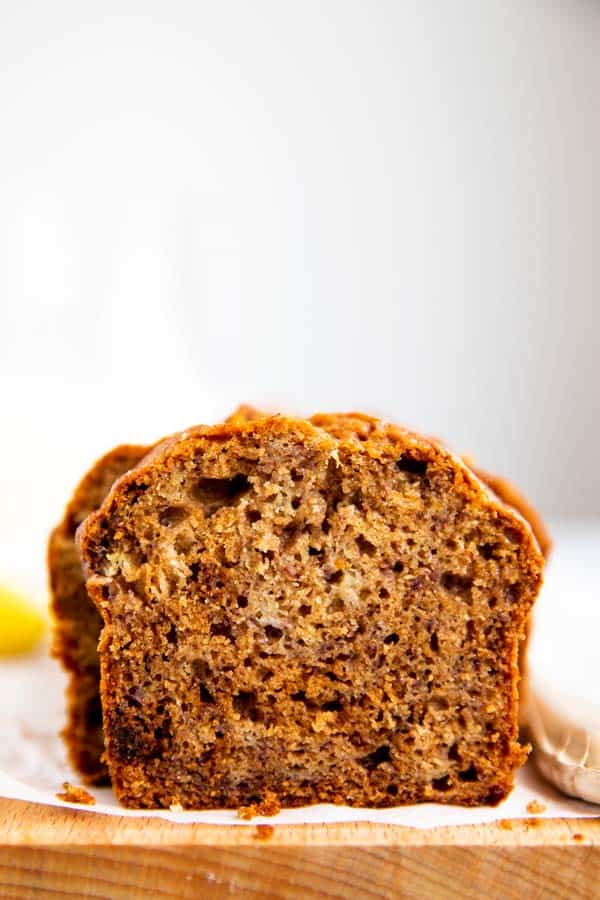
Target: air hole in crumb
x=411, y=465
x=248, y=662
x=201, y=669
x=273, y=633
x=296, y=475
x=336, y=605
x=213, y=493
x=453, y=752
x=458, y=584
x=470, y=629
x=470, y=774
x=392, y=789
x=365, y=546
x=242, y=602
x=512, y=592
x=195, y=570
x=442, y=784
x=299, y=695
x=296, y=502
x=222, y=629
x=434, y=642
x=172, y=515
x=218, y=734
x=336, y=577
x=391, y=638
x=253, y=515
x=313, y=551
x=172, y=635
x=244, y=703
x=439, y=703
x=493, y=602
x=357, y=500
x=398, y=566
x=384, y=594
x=289, y=533
x=304, y=609
x=205, y=694
x=331, y=706
x=487, y=551
x=374, y=759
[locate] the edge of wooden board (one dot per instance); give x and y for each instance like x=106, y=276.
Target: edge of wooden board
x=30, y=824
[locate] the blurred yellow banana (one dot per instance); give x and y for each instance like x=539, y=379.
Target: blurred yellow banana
x=21, y=624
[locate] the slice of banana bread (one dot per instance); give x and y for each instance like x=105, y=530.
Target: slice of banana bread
x=326, y=617
x=77, y=622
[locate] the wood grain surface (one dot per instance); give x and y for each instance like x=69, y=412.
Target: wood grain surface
x=52, y=852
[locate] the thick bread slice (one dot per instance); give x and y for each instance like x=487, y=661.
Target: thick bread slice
x=326, y=618
x=77, y=623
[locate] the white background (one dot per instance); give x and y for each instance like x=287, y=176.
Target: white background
x=321, y=205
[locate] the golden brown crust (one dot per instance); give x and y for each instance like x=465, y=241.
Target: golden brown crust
x=121, y=579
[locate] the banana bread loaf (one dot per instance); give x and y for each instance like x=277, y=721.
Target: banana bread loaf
x=326, y=613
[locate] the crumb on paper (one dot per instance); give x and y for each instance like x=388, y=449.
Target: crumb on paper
x=533, y=823
x=264, y=832
x=506, y=824
x=535, y=807
x=578, y=836
x=268, y=806
x=73, y=794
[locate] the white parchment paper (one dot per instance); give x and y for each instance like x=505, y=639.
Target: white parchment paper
x=33, y=767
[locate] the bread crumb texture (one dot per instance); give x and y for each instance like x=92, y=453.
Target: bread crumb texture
x=73, y=794
x=536, y=808
x=325, y=611
x=268, y=806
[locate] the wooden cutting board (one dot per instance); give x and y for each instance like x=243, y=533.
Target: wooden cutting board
x=61, y=853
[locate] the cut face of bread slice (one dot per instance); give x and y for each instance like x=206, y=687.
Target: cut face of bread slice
x=326, y=618
x=77, y=622
x=363, y=427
